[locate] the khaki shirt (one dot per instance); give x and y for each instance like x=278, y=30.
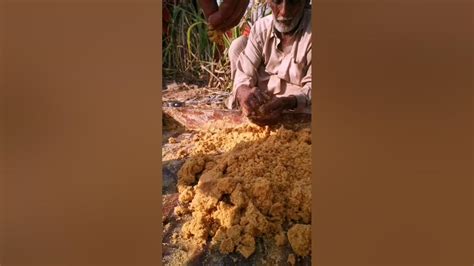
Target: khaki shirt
x=262, y=64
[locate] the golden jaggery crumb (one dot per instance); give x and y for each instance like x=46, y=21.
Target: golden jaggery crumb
x=291, y=259
x=174, y=238
x=186, y=194
x=234, y=232
x=181, y=210
x=172, y=140
x=254, y=221
x=299, y=237
x=280, y=239
x=189, y=170
x=247, y=245
x=226, y=215
x=227, y=246
x=238, y=198
x=181, y=153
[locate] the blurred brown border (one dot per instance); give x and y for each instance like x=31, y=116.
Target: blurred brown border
x=392, y=132
x=83, y=133
x=2, y=131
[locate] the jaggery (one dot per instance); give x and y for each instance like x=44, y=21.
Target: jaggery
x=299, y=237
x=245, y=183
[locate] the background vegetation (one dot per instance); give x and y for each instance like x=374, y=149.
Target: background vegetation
x=189, y=55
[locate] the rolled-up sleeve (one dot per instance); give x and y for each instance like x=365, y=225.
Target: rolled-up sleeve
x=248, y=63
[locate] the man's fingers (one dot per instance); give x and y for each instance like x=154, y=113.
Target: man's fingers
x=266, y=119
x=248, y=112
x=259, y=98
x=248, y=106
x=272, y=106
x=271, y=119
x=253, y=103
x=245, y=112
x=267, y=108
x=266, y=95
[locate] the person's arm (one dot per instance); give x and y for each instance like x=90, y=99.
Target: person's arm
x=245, y=81
x=225, y=16
x=209, y=7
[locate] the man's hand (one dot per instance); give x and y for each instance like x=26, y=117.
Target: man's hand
x=225, y=16
x=279, y=104
x=250, y=99
x=271, y=111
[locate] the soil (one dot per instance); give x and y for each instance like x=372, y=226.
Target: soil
x=182, y=94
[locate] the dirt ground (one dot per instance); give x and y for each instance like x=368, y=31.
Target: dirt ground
x=183, y=94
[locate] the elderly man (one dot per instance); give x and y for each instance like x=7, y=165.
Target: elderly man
x=273, y=73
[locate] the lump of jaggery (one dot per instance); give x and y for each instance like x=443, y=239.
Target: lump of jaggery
x=186, y=194
x=247, y=245
x=299, y=237
x=197, y=229
x=291, y=259
x=254, y=222
x=189, y=170
x=238, y=197
x=227, y=246
x=226, y=214
x=280, y=239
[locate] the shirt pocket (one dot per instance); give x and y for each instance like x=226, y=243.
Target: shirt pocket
x=297, y=71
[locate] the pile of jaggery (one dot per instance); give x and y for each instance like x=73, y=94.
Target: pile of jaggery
x=244, y=183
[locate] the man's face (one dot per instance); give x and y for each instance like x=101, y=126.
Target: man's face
x=286, y=13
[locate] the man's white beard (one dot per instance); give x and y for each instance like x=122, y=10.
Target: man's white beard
x=284, y=28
